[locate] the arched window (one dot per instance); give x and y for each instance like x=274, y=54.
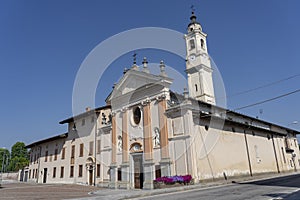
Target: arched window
x=192, y=44
x=202, y=44
x=196, y=87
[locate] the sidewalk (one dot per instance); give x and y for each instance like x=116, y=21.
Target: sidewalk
x=129, y=194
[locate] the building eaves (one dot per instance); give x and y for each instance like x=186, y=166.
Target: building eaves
x=64, y=135
x=180, y=99
x=90, y=112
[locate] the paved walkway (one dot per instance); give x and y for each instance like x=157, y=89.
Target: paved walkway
x=31, y=191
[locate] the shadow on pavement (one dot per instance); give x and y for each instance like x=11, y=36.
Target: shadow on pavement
x=293, y=196
x=275, y=195
x=286, y=181
x=285, y=196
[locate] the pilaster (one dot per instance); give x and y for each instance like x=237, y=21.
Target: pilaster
x=113, y=176
x=125, y=150
x=114, y=140
x=164, y=142
x=125, y=183
x=149, y=169
x=148, y=147
x=113, y=166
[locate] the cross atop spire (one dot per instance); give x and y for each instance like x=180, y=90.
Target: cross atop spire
x=194, y=24
x=134, y=58
x=193, y=8
x=134, y=66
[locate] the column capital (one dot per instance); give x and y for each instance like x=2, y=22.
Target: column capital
x=148, y=162
x=113, y=165
x=161, y=97
x=165, y=161
x=113, y=114
x=124, y=109
x=124, y=164
x=146, y=101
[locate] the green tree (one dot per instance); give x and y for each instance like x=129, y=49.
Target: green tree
x=4, y=154
x=19, y=150
x=19, y=157
x=17, y=163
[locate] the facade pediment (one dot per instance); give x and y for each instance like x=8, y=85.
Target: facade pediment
x=134, y=80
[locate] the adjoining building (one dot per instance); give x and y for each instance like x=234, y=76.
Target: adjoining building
x=147, y=131
x=74, y=156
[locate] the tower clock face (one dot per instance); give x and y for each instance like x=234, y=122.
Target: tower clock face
x=192, y=58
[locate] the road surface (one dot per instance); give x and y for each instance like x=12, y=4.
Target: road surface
x=287, y=187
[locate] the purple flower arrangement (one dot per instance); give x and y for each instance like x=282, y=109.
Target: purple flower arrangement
x=168, y=180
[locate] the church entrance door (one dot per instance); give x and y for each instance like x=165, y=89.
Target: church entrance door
x=138, y=171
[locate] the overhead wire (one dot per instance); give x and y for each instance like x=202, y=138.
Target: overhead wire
x=261, y=87
x=267, y=100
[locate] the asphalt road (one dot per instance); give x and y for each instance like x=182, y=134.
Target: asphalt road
x=287, y=187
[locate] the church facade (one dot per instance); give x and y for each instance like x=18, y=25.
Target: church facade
x=147, y=131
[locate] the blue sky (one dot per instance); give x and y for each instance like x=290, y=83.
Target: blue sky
x=43, y=43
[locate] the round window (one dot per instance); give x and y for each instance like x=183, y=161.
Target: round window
x=137, y=115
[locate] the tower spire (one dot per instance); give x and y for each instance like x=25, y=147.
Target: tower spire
x=198, y=66
x=193, y=16
x=194, y=24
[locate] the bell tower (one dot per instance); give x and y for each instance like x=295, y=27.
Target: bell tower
x=198, y=66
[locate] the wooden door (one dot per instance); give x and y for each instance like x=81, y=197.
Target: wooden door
x=90, y=177
x=138, y=172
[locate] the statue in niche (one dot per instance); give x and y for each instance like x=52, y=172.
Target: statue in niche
x=156, y=138
x=120, y=144
x=103, y=118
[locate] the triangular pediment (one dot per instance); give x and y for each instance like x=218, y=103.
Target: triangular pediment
x=133, y=80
